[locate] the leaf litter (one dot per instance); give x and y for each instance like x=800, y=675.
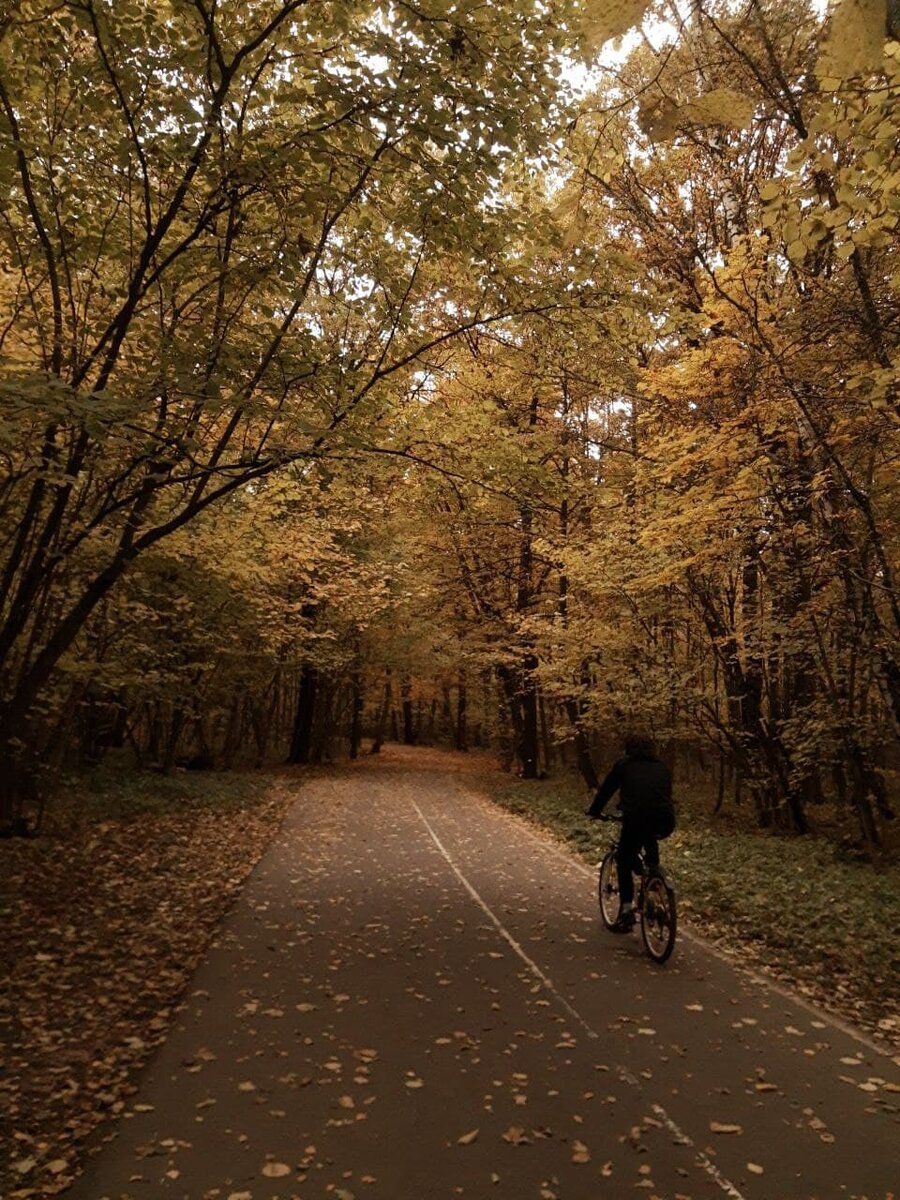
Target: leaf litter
x=102, y=925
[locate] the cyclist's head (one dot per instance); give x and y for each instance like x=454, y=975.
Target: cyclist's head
x=639, y=745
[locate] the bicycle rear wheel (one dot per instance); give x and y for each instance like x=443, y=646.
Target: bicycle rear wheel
x=608, y=891
x=658, y=918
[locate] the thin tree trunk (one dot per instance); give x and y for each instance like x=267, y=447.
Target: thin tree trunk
x=383, y=714
x=462, y=704
x=356, y=712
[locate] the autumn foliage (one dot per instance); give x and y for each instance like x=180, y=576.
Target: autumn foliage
x=361, y=380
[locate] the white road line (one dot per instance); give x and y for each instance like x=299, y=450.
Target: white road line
x=504, y=932
x=709, y=1167
x=700, y=1158
x=548, y=842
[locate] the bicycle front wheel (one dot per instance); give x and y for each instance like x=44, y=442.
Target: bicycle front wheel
x=658, y=918
x=608, y=891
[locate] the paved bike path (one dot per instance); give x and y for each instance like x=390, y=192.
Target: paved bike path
x=414, y=999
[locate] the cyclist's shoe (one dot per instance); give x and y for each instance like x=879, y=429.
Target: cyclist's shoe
x=624, y=922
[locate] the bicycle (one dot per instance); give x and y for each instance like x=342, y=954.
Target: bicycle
x=654, y=905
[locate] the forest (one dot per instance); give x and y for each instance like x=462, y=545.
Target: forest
x=428, y=372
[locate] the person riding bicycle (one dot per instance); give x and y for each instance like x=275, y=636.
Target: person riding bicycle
x=644, y=784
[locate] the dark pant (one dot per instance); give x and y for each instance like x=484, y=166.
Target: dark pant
x=638, y=834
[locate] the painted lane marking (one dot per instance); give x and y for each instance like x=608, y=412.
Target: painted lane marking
x=504, y=932
x=700, y=1158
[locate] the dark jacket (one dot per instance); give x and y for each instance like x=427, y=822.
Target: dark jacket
x=644, y=786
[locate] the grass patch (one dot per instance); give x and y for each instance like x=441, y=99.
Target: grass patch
x=117, y=791
x=792, y=905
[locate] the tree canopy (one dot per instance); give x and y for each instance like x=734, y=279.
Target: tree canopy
x=361, y=376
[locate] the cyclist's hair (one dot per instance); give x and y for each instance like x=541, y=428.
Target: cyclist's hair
x=639, y=745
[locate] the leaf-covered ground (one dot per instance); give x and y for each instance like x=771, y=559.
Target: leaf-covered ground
x=102, y=920
x=791, y=907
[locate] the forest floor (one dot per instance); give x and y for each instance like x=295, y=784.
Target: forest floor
x=801, y=910
x=106, y=916
x=413, y=997
x=103, y=919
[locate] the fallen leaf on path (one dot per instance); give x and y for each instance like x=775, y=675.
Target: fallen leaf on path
x=754, y=1168
x=718, y=1127
x=276, y=1170
x=467, y=1138
x=580, y=1153
x=516, y=1136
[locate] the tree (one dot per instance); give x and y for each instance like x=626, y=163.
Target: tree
x=222, y=229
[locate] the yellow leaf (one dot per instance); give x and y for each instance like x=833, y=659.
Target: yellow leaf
x=721, y=106
x=855, y=42
x=515, y=1135
x=276, y=1170
x=603, y=20
x=796, y=251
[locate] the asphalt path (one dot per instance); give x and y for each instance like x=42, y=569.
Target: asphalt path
x=414, y=998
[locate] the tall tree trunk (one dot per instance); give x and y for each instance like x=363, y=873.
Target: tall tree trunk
x=528, y=700
x=232, y=732
x=301, y=742
x=462, y=704
x=409, y=737
x=546, y=736
x=383, y=713
x=356, y=711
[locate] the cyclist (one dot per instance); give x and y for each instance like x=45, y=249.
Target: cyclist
x=644, y=784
